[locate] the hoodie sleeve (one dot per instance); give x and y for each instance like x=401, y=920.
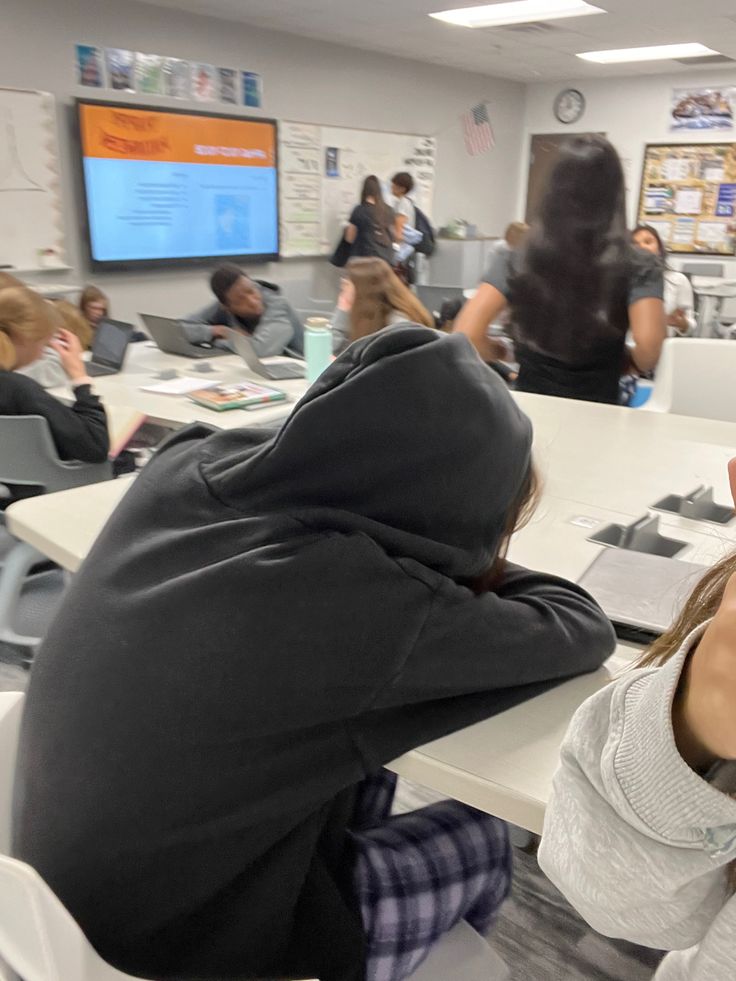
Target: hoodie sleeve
x=276, y=330
x=533, y=628
x=198, y=326
x=634, y=838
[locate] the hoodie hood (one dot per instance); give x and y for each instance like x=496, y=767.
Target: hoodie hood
x=407, y=437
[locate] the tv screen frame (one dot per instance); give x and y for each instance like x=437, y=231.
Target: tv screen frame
x=112, y=265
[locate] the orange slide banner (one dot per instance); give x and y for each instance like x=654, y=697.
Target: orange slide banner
x=143, y=134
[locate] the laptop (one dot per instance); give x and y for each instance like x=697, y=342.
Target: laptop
x=289, y=368
x=109, y=346
x=169, y=336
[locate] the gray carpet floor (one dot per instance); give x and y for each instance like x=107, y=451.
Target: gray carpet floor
x=541, y=937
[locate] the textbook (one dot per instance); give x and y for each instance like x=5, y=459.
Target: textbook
x=238, y=395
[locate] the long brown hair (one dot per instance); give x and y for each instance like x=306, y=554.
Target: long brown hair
x=382, y=214
x=92, y=294
x=24, y=316
x=519, y=515
x=378, y=292
x=701, y=606
x=74, y=321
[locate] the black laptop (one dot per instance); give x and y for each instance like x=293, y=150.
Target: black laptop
x=112, y=338
x=168, y=335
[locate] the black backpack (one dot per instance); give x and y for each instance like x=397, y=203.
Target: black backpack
x=427, y=244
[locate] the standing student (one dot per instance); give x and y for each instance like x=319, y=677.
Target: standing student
x=370, y=229
x=27, y=325
x=577, y=286
x=265, y=621
x=257, y=309
x=640, y=831
x=373, y=297
x=402, y=184
x=679, y=301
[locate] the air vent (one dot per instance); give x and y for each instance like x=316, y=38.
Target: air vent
x=706, y=60
x=537, y=27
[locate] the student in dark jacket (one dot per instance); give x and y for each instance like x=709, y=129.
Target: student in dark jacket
x=27, y=325
x=266, y=620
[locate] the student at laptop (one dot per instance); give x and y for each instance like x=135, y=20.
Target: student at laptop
x=373, y=297
x=213, y=692
x=243, y=304
x=27, y=324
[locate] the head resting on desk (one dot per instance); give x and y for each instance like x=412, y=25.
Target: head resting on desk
x=407, y=438
x=27, y=324
x=237, y=292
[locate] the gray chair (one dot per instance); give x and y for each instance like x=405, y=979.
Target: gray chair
x=28, y=459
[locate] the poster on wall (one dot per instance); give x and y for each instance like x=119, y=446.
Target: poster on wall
x=149, y=76
x=228, y=78
x=89, y=65
x=204, y=82
x=120, y=69
x=698, y=109
x=177, y=78
x=252, y=90
x=688, y=193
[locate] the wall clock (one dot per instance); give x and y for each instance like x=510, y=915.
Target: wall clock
x=569, y=106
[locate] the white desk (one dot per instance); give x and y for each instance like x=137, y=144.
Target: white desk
x=590, y=455
x=145, y=361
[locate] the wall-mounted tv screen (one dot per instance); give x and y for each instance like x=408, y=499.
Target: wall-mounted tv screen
x=165, y=186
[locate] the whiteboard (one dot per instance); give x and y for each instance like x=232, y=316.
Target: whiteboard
x=321, y=171
x=30, y=195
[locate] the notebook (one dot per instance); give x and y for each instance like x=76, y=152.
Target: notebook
x=641, y=594
x=239, y=395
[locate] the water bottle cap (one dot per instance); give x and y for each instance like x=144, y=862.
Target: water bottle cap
x=317, y=323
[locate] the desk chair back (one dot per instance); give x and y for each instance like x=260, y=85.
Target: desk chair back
x=696, y=377
x=28, y=457
x=11, y=711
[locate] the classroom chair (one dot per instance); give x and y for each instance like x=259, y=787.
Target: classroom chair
x=695, y=377
x=28, y=458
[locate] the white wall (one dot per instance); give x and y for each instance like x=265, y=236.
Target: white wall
x=631, y=112
x=304, y=80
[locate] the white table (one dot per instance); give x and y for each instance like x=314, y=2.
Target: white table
x=592, y=457
x=144, y=362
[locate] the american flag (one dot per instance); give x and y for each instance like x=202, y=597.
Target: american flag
x=477, y=130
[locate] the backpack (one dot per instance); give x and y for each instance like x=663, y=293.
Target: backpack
x=422, y=224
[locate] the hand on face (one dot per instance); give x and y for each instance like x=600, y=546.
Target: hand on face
x=69, y=349
x=346, y=299
x=704, y=713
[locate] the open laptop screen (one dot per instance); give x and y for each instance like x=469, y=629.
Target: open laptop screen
x=111, y=340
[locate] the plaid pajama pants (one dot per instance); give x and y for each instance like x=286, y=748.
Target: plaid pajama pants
x=418, y=874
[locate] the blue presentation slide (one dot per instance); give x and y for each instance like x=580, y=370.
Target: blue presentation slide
x=140, y=209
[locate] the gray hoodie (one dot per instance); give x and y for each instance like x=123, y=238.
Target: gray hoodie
x=636, y=840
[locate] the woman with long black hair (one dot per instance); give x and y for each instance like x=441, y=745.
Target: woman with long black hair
x=370, y=230
x=578, y=286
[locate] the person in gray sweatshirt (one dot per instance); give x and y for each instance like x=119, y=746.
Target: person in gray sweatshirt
x=640, y=832
x=256, y=309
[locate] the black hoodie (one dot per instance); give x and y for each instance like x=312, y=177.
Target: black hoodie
x=266, y=619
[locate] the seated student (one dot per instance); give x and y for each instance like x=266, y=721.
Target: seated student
x=93, y=305
x=373, y=297
x=254, y=308
x=640, y=832
x=27, y=325
x=218, y=682
x=577, y=286
x=48, y=370
x=679, y=301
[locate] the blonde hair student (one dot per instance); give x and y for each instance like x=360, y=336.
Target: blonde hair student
x=640, y=832
x=27, y=325
x=93, y=305
x=373, y=297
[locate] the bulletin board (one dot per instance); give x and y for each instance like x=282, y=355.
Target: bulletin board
x=322, y=169
x=688, y=193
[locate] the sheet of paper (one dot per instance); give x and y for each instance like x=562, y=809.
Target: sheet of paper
x=689, y=201
x=178, y=386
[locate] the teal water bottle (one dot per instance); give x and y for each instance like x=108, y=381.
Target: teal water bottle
x=317, y=346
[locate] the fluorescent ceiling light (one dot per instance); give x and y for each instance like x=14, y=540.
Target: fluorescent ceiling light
x=660, y=52
x=518, y=12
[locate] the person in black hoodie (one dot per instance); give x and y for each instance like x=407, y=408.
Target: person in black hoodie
x=267, y=619
x=27, y=325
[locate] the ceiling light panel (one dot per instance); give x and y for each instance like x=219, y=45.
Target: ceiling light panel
x=518, y=12
x=660, y=52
